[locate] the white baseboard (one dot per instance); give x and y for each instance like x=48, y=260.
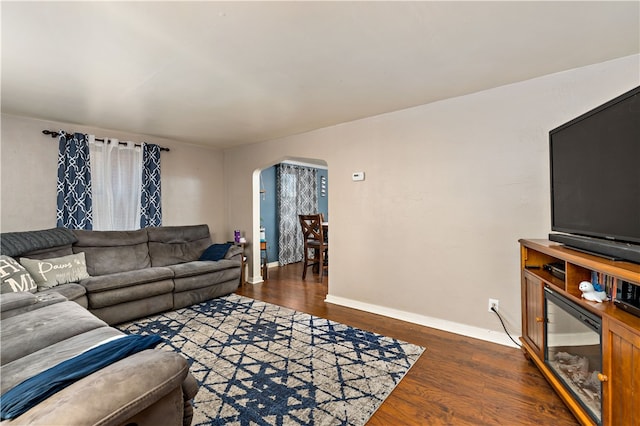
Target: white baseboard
x=500, y=338
x=255, y=280
x=258, y=278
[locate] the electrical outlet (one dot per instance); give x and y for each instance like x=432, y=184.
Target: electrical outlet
x=493, y=303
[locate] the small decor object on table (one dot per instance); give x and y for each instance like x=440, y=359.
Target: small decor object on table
x=590, y=293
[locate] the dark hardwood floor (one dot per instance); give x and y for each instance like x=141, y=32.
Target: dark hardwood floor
x=457, y=381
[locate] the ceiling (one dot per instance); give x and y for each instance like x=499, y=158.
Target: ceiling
x=229, y=73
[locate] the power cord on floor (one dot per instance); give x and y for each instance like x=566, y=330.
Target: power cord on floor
x=505, y=328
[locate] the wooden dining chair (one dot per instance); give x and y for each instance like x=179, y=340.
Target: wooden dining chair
x=314, y=242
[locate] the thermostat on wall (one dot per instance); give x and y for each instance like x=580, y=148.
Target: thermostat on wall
x=357, y=176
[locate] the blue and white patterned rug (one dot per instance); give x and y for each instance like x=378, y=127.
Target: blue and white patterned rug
x=262, y=364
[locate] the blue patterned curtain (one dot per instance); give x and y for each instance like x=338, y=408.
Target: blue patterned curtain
x=151, y=206
x=297, y=194
x=74, y=209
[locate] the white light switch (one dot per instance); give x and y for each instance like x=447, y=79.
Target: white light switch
x=357, y=176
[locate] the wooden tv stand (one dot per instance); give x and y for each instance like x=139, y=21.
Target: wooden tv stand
x=620, y=375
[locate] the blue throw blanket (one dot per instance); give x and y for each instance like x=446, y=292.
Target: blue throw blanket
x=41, y=386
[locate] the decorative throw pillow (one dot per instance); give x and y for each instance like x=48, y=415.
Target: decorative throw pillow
x=48, y=273
x=215, y=252
x=14, y=277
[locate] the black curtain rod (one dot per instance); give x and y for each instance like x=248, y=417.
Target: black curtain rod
x=55, y=134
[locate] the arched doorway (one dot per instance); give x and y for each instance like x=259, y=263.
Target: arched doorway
x=265, y=192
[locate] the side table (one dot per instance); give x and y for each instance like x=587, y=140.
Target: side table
x=243, y=261
x=263, y=260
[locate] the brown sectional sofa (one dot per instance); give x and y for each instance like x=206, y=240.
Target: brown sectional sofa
x=132, y=274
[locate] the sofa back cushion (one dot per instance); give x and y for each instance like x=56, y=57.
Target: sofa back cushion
x=170, y=245
x=108, y=252
x=37, y=244
x=48, y=253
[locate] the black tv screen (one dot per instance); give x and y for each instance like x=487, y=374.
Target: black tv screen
x=595, y=172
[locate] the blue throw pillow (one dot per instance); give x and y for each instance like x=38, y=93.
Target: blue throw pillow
x=215, y=252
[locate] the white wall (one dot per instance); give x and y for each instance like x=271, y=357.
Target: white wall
x=431, y=234
x=192, y=177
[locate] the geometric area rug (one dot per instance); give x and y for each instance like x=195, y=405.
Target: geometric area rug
x=263, y=364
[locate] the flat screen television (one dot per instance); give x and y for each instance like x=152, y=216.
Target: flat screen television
x=595, y=179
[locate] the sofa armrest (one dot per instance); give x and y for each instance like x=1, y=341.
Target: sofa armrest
x=234, y=253
x=116, y=393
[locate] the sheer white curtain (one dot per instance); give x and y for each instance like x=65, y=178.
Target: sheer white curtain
x=116, y=175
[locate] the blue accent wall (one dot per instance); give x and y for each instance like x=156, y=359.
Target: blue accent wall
x=268, y=212
x=323, y=202
x=268, y=207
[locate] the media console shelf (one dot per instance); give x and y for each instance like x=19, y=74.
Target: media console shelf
x=620, y=375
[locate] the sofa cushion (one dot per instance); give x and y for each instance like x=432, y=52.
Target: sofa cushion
x=192, y=290
x=117, y=296
x=36, y=389
x=108, y=252
x=200, y=267
x=71, y=291
x=44, y=329
x=117, y=393
x=17, y=300
x=208, y=280
x=169, y=245
x=125, y=279
x=27, y=366
x=19, y=306
x=18, y=243
x=48, y=273
x=127, y=311
x=57, y=251
x=14, y=277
